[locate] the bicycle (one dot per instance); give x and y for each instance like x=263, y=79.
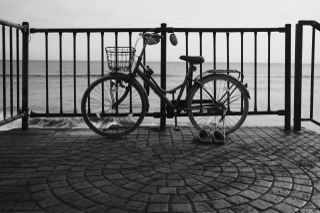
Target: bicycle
x=115, y=104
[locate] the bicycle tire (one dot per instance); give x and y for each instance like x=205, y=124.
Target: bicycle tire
x=100, y=113
x=204, y=113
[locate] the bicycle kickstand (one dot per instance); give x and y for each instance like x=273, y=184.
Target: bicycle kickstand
x=176, y=127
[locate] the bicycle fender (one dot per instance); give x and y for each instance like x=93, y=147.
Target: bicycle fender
x=211, y=73
x=130, y=78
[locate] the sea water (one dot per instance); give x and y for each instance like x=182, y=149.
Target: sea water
x=73, y=89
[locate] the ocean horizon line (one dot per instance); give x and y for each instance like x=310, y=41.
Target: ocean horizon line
x=178, y=61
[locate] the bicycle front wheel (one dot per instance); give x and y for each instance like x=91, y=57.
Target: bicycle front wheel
x=113, y=106
x=219, y=102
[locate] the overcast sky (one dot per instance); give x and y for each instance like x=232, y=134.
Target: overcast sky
x=150, y=13
x=137, y=13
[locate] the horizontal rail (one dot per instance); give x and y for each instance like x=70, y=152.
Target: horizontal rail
x=13, y=118
x=34, y=114
x=10, y=24
x=230, y=30
x=112, y=30
x=87, y=30
x=314, y=24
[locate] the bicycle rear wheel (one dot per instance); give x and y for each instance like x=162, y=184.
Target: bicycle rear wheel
x=219, y=103
x=113, y=106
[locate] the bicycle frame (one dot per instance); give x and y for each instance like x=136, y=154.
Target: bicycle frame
x=158, y=90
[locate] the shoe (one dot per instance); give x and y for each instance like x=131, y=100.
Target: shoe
x=204, y=136
x=218, y=138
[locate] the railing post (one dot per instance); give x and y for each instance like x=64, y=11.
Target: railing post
x=298, y=77
x=163, y=73
x=287, y=105
x=25, y=66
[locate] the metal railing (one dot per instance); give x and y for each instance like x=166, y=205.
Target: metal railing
x=89, y=33
x=163, y=29
x=15, y=108
x=255, y=31
x=298, y=74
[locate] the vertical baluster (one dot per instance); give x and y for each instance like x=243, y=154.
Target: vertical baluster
x=145, y=85
x=18, y=69
x=102, y=69
x=214, y=50
x=74, y=72
x=287, y=89
x=298, y=76
x=4, y=71
x=60, y=71
x=47, y=81
x=116, y=50
x=269, y=47
x=228, y=66
x=255, y=71
x=187, y=64
x=241, y=65
x=163, y=80
x=116, y=44
x=130, y=64
x=11, y=74
x=228, y=48
x=312, y=73
x=88, y=67
x=200, y=44
x=214, y=62
x=241, y=53
x=25, y=75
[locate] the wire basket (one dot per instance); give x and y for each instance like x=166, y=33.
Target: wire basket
x=120, y=59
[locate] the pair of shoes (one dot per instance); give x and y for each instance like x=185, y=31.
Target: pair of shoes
x=205, y=137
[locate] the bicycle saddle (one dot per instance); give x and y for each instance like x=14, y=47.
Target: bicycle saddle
x=192, y=59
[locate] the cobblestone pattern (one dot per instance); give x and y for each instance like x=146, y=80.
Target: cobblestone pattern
x=258, y=169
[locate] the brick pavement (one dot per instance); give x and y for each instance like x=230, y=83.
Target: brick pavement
x=258, y=169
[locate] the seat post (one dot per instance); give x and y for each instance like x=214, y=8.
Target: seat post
x=191, y=69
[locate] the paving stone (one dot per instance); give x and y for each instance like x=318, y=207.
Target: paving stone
x=261, y=204
x=181, y=207
x=237, y=199
x=23, y=206
x=158, y=207
x=179, y=199
x=245, y=208
x=295, y=202
x=159, y=198
x=272, y=198
x=285, y=207
x=220, y=204
x=167, y=190
x=136, y=206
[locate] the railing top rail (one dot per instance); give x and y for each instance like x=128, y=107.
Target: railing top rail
x=100, y=30
x=311, y=23
x=231, y=30
x=86, y=30
x=10, y=24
